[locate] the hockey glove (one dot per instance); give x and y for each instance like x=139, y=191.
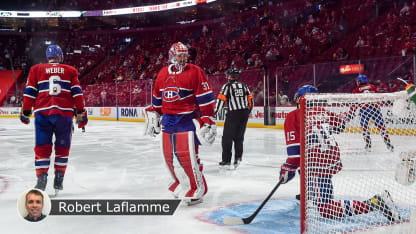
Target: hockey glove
x=205, y=129
x=82, y=118
x=25, y=116
x=287, y=172
x=152, y=121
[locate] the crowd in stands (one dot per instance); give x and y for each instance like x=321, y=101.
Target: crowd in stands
x=279, y=38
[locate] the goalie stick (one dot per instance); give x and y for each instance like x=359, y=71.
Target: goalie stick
x=240, y=221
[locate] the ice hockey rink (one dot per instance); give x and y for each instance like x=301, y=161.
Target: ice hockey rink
x=113, y=160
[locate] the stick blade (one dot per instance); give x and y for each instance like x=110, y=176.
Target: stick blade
x=232, y=221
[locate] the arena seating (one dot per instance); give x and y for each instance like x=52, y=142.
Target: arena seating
x=287, y=37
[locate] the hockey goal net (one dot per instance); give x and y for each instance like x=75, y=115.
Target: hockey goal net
x=358, y=160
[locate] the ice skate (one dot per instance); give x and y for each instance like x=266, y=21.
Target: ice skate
x=42, y=180
x=58, y=182
x=297, y=199
x=193, y=201
x=174, y=188
x=385, y=204
x=368, y=147
x=237, y=162
x=224, y=165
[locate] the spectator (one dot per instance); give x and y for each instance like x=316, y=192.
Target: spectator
x=381, y=87
x=393, y=86
x=103, y=97
x=360, y=42
x=292, y=61
x=284, y=100
x=285, y=85
x=405, y=10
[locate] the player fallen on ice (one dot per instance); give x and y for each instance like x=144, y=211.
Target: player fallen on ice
x=52, y=90
x=183, y=97
x=324, y=158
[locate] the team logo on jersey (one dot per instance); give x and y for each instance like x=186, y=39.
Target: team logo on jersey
x=170, y=94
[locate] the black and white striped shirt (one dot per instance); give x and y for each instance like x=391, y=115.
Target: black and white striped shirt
x=236, y=94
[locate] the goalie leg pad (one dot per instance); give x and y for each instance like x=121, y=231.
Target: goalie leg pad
x=168, y=157
x=184, y=149
x=201, y=168
x=405, y=173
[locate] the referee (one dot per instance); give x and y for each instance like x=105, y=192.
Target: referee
x=239, y=102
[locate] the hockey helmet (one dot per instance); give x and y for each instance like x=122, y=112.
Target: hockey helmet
x=54, y=51
x=304, y=90
x=233, y=72
x=363, y=79
x=178, y=49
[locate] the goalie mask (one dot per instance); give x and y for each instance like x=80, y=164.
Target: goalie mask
x=178, y=55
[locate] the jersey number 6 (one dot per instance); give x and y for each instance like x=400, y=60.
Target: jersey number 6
x=54, y=88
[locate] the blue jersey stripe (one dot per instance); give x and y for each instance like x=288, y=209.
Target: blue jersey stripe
x=293, y=150
x=45, y=85
x=185, y=93
x=76, y=90
x=61, y=160
x=156, y=101
x=204, y=99
x=42, y=163
x=31, y=92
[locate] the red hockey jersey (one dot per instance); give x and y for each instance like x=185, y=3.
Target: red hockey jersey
x=53, y=88
x=321, y=147
x=183, y=92
x=364, y=88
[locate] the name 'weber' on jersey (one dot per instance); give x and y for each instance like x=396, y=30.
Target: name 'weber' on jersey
x=53, y=89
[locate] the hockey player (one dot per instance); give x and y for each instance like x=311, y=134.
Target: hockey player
x=52, y=90
x=325, y=156
x=369, y=112
x=184, y=97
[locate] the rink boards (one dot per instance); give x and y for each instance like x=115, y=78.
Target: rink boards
x=135, y=114
x=396, y=125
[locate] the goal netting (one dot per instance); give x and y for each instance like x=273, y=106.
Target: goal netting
x=358, y=159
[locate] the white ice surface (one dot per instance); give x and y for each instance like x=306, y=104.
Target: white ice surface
x=113, y=160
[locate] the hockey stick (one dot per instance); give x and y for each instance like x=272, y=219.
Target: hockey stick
x=402, y=80
x=240, y=221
